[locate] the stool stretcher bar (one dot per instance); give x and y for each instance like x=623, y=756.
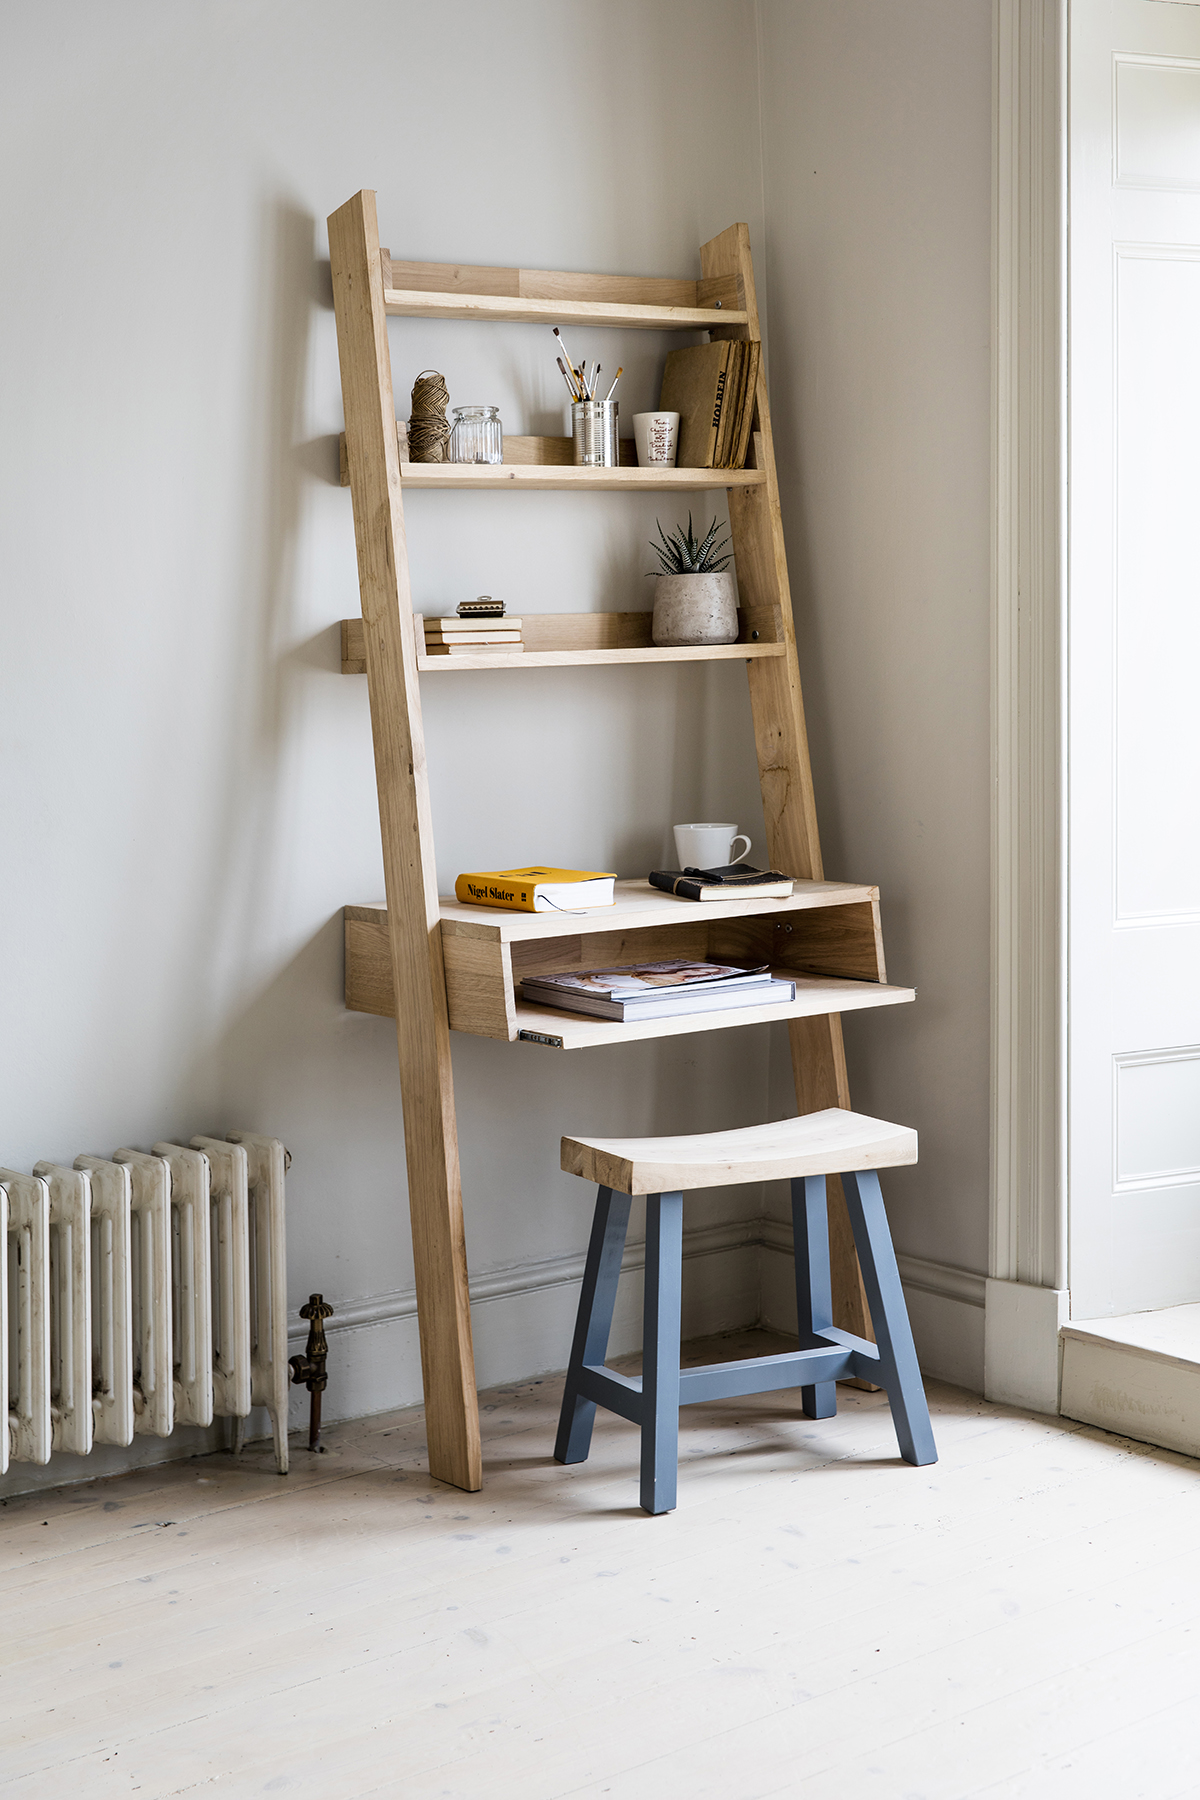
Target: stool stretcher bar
x=727, y=1381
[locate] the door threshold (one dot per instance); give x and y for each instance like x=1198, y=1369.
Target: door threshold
x=1137, y=1374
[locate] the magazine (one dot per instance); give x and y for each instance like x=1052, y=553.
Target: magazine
x=644, y=981
x=668, y=1002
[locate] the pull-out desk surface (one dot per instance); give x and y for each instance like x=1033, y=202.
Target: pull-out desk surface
x=825, y=937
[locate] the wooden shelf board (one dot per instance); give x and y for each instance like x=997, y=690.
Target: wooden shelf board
x=408, y=303
x=547, y=452
x=549, y=462
x=638, y=905
x=561, y=659
x=572, y=640
x=580, y=481
x=815, y=995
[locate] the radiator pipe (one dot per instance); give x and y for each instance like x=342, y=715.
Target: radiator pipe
x=310, y=1368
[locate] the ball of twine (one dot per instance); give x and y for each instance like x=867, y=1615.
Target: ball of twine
x=428, y=432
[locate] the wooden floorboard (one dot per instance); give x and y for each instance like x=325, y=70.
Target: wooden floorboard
x=817, y=1619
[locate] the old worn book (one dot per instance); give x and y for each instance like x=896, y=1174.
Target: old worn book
x=746, y=411
x=474, y=649
x=694, y=385
x=536, y=889
x=478, y=622
x=730, y=413
x=464, y=640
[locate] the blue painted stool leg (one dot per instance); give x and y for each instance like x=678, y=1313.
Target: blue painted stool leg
x=899, y=1371
x=593, y=1322
x=814, y=1293
x=660, y=1351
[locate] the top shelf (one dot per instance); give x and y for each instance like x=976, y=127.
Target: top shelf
x=407, y=304
x=555, y=297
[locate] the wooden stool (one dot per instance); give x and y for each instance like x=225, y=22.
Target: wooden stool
x=805, y=1150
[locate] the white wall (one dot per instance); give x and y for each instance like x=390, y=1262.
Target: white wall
x=877, y=140
x=188, y=787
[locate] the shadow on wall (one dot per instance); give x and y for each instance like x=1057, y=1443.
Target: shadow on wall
x=259, y=1054
x=273, y=467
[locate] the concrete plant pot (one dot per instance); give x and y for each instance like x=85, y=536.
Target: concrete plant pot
x=695, y=609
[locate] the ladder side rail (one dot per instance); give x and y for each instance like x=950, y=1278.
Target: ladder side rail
x=785, y=769
x=423, y=1031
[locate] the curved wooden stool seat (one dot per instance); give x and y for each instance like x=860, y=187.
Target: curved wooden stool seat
x=804, y=1151
x=824, y=1143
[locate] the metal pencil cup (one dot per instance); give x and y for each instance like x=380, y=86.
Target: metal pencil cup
x=594, y=426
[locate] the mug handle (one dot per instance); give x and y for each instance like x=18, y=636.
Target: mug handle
x=741, y=838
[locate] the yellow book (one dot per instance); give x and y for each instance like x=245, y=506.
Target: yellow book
x=536, y=890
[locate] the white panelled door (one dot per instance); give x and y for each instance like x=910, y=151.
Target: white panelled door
x=1133, y=656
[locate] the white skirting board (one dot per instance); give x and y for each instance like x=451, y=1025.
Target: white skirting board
x=522, y=1319
x=1021, y=1351
x=1138, y=1375
x=737, y=1273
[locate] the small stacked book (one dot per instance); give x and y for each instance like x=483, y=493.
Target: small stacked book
x=658, y=990
x=536, y=889
x=712, y=387
x=472, y=636
x=734, y=882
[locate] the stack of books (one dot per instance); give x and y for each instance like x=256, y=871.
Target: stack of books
x=658, y=990
x=476, y=636
x=712, y=387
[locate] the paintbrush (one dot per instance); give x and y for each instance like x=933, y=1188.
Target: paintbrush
x=616, y=378
x=562, y=344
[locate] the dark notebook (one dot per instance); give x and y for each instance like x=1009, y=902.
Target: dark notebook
x=734, y=882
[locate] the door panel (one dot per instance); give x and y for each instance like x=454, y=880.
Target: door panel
x=1157, y=105
x=1158, y=579
x=1133, y=660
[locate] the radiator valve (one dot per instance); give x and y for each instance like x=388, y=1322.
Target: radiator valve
x=310, y=1368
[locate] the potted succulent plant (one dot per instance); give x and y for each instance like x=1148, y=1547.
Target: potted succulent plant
x=695, y=596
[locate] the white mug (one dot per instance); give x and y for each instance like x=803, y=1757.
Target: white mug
x=709, y=846
x=657, y=437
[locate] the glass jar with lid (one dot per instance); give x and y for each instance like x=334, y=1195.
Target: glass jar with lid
x=476, y=435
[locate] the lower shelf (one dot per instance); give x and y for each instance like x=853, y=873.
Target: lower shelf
x=815, y=994
x=577, y=640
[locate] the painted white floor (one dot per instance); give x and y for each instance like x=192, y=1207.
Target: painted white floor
x=817, y=1619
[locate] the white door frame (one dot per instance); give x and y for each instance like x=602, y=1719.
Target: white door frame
x=1026, y=1296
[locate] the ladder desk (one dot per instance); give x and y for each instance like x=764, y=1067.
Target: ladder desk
x=437, y=966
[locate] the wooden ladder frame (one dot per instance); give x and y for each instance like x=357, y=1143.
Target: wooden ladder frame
x=423, y=1031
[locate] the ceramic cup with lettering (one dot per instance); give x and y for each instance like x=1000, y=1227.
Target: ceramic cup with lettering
x=709, y=846
x=657, y=437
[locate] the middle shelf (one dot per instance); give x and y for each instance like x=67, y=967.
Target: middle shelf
x=547, y=462
x=825, y=937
